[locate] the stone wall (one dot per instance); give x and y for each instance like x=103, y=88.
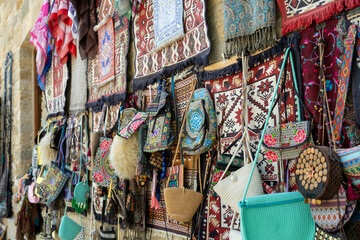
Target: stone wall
x=17, y=18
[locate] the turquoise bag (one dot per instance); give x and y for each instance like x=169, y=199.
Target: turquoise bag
x=68, y=229
x=279, y=215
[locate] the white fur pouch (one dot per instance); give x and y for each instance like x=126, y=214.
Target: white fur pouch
x=46, y=153
x=124, y=155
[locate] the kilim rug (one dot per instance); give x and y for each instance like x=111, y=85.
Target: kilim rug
x=114, y=90
x=168, y=22
x=157, y=220
x=219, y=214
x=194, y=48
x=55, y=86
x=106, y=53
x=227, y=95
x=249, y=25
x=302, y=13
x=334, y=32
x=106, y=9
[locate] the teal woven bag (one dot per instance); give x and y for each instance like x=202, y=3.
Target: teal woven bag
x=279, y=215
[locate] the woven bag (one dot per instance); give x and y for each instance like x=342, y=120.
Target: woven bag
x=334, y=213
x=232, y=188
x=290, y=216
x=182, y=203
x=350, y=160
x=318, y=172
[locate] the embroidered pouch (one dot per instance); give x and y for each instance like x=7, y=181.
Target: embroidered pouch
x=159, y=135
x=132, y=124
x=102, y=171
x=200, y=125
x=52, y=184
x=289, y=139
x=350, y=160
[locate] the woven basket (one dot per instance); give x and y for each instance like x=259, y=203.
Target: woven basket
x=182, y=203
x=231, y=189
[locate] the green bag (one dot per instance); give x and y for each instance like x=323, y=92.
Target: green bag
x=68, y=229
x=278, y=215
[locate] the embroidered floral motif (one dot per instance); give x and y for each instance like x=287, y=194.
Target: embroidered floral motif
x=271, y=156
x=105, y=145
x=300, y=136
x=269, y=140
x=98, y=177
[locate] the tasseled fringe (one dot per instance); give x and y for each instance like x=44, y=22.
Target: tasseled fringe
x=199, y=60
x=261, y=39
x=350, y=4
x=317, y=16
x=162, y=234
x=254, y=61
x=114, y=99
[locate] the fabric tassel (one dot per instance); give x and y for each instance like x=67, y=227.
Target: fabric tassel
x=351, y=194
x=154, y=202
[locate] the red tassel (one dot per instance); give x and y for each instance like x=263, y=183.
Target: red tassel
x=154, y=202
x=89, y=153
x=351, y=194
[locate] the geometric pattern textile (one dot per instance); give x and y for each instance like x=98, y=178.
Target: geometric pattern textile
x=106, y=52
x=227, y=95
x=114, y=90
x=193, y=48
x=302, y=13
x=55, y=87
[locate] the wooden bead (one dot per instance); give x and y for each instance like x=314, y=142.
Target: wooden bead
x=311, y=187
x=301, y=171
x=312, y=150
x=301, y=177
x=308, y=150
x=297, y=172
x=316, y=152
x=320, y=154
x=322, y=159
x=303, y=182
x=319, y=180
x=325, y=171
x=302, y=165
x=316, y=175
x=316, y=184
x=306, y=186
x=324, y=178
x=324, y=165
x=312, y=180
x=320, y=173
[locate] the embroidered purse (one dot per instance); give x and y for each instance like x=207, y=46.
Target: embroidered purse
x=350, y=160
x=290, y=215
x=131, y=120
x=103, y=173
x=200, y=124
x=160, y=135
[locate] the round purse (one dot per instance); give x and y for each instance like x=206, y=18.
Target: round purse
x=318, y=172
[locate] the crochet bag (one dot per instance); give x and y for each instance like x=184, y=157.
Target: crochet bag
x=200, y=124
x=290, y=216
x=318, y=172
x=160, y=135
x=350, y=160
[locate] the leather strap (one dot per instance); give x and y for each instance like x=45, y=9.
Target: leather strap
x=344, y=83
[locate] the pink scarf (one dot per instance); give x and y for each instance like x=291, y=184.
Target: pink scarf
x=60, y=25
x=39, y=37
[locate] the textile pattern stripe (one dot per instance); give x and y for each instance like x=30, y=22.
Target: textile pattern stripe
x=55, y=86
x=193, y=48
x=227, y=95
x=301, y=13
x=344, y=83
x=112, y=91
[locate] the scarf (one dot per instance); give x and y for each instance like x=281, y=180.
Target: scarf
x=39, y=37
x=61, y=20
x=249, y=25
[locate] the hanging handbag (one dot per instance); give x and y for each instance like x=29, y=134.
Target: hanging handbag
x=182, y=203
x=318, y=172
x=82, y=188
x=68, y=228
x=350, y=160
x=103, y=173
x=131, y=120
x=290, y=216
x=106, y=234
x=200, y=124
x=331, y=215
x=232, y=188
x=160, y=135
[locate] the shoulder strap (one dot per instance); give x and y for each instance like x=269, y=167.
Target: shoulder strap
x=344, y=83
x=287, y=53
